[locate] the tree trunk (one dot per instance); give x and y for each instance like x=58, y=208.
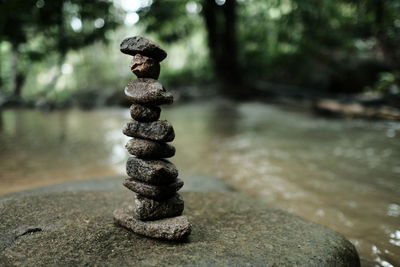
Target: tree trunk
x=17, y=76
x=222, y=43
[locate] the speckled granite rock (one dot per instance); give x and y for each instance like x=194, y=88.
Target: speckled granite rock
x=149, y=149
x=153, y=191
x=148, y=92
x=156, y=172
x=229, y=229
x=141, y=45
x=150, y=209
x=161, y=130
x=174, y=228
x=144, y=113
x=145, y=67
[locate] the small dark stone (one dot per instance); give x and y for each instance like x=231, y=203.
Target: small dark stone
x=174, y=228
x=141, y=45
x=144, y=113
x=156, y=172
x=147, y=149
x=153, y=191
x=145, y=67
x=157, y=131
x=150, y=209
x=148, y=91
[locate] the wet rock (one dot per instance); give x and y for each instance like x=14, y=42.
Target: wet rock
x=150, y=209
x=147, y=149
x=242, y=230
x=161, y=130
x=141, y=45
x=175, y=228
x=145, y=67
x=148, y=92
x=155, y=172
x=153, y=191
x=144, y=113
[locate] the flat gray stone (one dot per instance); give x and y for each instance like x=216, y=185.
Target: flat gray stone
x=155, y=172
x=147, y=149
x=153, y=191
x=161, y=130
x=228, y=229
x=148, y=92
x=141, y=45
x=149, y=209
x=175, y=228
x=145, y=67
x=144, y=113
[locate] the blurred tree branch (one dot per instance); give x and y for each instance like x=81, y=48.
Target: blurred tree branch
x=38, y=28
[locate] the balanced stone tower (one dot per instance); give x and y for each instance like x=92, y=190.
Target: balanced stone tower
x=157, y=207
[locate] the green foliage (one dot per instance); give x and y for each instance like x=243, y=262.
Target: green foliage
x=388, y=83
x=36, y=29
x=337, y=45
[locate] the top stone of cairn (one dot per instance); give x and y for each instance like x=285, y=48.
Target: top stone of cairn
x=141, y=45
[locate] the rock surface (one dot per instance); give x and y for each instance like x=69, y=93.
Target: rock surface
x=143, y=113
x=229, y=229
x=153, y=191
x=150, y=209
x=156, y=172
x=148, y=92
x=175, y=228
x=161, y=130
x=141, y=45
x=145, y=67
x=149, y=149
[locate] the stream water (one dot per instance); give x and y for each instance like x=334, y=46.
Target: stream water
x=342, y=173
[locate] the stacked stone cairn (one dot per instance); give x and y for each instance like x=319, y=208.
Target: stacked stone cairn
x=157, y=207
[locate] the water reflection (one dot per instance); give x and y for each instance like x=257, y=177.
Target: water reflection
x=340, y=173
x=224, y=119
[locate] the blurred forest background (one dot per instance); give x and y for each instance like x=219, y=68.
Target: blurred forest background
x=65, y=52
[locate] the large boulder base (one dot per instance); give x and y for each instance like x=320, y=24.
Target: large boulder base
x=229, y=229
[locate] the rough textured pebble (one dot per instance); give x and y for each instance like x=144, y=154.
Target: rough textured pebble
x=153, y=191
x=150, y=209
x=144, y=113
x=148, y=92
x=141, y=45
x=161, y=130
x=147, y=149
x=156, y=172
x=145, y=67
x=175, y=228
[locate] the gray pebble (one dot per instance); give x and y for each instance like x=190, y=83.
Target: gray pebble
x=141, y=45
x=156, y=172
x=153, y=191
x=161, y=130
x=144, y=113
x=148, y=91
x=147, y=149
x=145, y=67
x=150, y=209
x=174, y=228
